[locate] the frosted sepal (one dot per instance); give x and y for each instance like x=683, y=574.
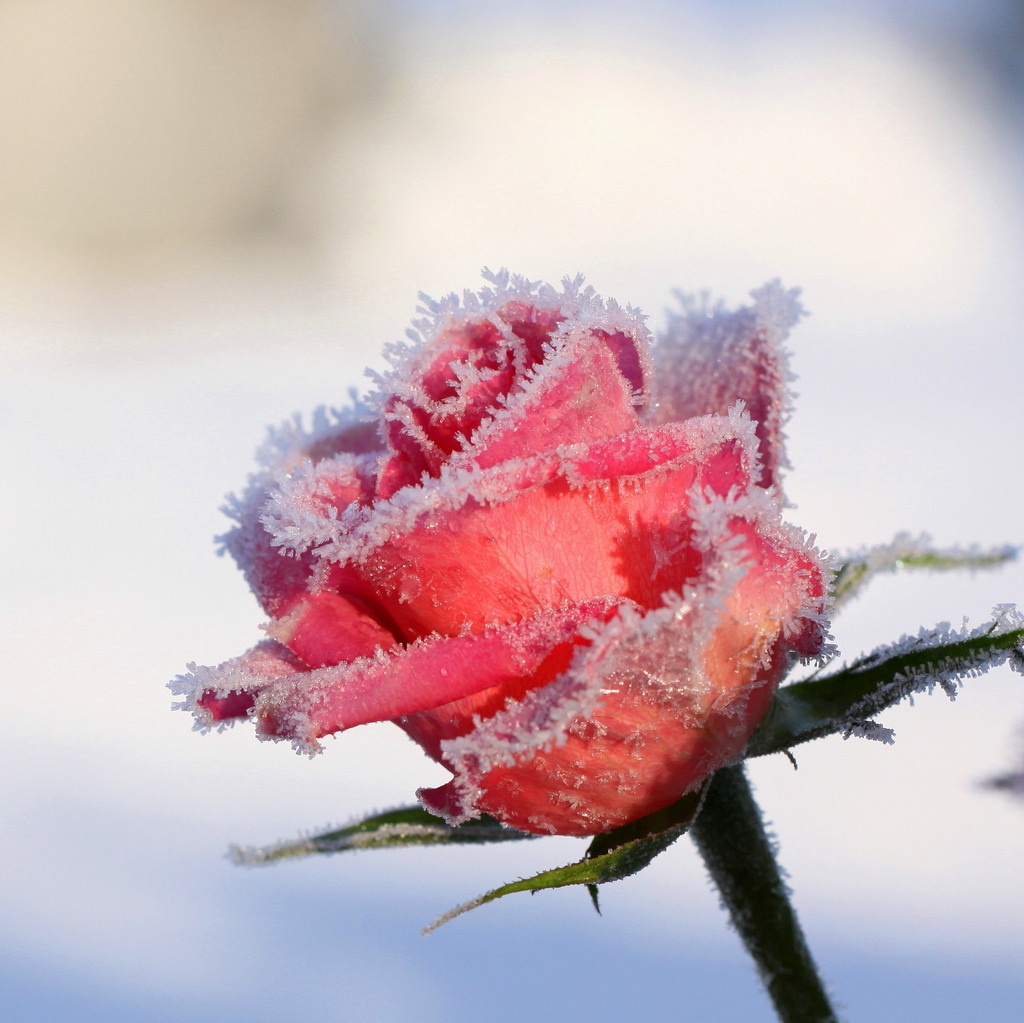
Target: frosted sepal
x=846, y=701
x=856, y=569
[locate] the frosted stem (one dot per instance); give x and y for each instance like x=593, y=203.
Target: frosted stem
x=730, y=835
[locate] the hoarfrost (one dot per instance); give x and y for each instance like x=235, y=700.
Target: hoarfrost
x=247, y=674
x=297, y=522
x=375, y=831
x=576, y=302
x=285, y=450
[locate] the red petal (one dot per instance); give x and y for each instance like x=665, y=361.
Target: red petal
x=709, y=360
x=610, y=518
x=438, y=409
x=229, y=690
x=520, y=380
x=651, y=709
x=428, y=674
x=277, y=578
x=578, y=396
x=331, y=628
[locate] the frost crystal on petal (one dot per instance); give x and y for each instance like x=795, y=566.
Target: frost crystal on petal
x=710, y=357
x=287, y=448
x=218, y=696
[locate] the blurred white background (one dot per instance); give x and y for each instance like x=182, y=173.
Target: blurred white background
x=214, y=213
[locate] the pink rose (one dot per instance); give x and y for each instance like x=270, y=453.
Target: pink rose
x=548, y=550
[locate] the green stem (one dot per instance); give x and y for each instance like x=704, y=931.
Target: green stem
x=730, y=835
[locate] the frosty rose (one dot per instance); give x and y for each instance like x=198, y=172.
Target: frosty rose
x=548, y=548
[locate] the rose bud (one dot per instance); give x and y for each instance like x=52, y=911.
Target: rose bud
x=548, y=549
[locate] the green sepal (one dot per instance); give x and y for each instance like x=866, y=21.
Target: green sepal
x=855, y=571
x=610, y=857
x=408, y=825
x=845, y=701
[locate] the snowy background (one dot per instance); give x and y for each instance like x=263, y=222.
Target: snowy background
x=213, y=215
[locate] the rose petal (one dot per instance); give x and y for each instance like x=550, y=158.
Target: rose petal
x=426, y=675
x=611, y=517
x=227, y=691
x=331, y=628
x=456, y=382
x=276, y=580
x=577, y=395
x=309, y=491
x=301, y=511
x=709, y=359
x=649, y=709
x=480, y=362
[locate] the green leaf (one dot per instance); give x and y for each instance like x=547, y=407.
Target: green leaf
x=846, y=700
x=855, y=571
x=610, y=857
x=408, y=825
